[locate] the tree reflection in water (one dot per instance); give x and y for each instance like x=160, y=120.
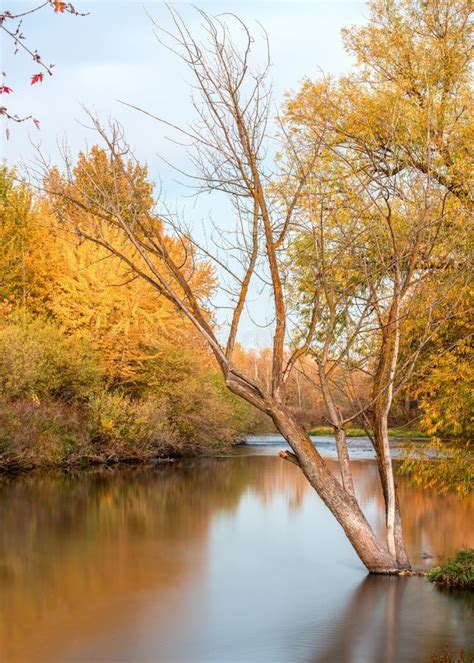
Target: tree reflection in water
x=212, y=556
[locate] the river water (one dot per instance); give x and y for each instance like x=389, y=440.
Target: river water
x=225, y=560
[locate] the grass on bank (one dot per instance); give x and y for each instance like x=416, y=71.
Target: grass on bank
x=360, y=432
x=457, y=573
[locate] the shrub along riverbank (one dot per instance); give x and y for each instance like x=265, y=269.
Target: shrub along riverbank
x=58, y=407
x=110, y=428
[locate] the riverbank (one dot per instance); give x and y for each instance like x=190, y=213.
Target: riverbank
x=64, y=402
x=14, y=468
x=53, y=436
x=107, y=456
x=106, y=431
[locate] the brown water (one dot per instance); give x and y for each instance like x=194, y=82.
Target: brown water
x=225, y=560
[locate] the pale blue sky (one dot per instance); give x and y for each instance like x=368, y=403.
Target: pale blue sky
x=113, y=54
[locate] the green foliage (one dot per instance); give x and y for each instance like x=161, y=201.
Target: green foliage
x=457, y=573
x=241, y=416
x=110, y=428
x=58, y=408
x=121, y=426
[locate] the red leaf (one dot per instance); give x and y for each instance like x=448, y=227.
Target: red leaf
x=5, y=89
x=59, y=6
x=36, y=123
x=37, y=78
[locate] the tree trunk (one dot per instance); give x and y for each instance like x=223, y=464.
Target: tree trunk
x=395, y=540
x=342, y=505
x=344, y=462
x=386, y=476
x=339, y=432
x=382, y=393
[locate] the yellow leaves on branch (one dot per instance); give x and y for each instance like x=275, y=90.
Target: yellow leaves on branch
x=444, y=467
x=446, y=395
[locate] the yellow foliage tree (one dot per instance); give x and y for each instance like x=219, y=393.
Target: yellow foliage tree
x=29, y=258
x=97, y=297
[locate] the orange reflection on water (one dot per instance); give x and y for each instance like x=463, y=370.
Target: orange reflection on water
x=87, y=559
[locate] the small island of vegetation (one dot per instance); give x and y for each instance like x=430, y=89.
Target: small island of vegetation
x=456, y=573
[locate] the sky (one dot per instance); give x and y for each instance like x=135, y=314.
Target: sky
x=112, y=55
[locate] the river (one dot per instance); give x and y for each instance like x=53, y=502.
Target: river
x=219, y=560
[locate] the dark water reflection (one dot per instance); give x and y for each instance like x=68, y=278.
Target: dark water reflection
x=224, y=560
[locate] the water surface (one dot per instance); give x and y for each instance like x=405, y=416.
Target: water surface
x=225, y=560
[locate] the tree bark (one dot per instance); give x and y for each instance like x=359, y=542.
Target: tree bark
x=344, y=461
x=340, y=434
x=395, y=539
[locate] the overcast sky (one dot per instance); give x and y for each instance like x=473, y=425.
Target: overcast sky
x=112, y=54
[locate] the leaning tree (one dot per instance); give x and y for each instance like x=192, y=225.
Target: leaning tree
x=233, y=150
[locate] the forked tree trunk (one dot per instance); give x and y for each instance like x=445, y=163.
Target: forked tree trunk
x=342, y=505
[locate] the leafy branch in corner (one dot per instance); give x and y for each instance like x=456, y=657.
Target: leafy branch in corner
x=11, y=25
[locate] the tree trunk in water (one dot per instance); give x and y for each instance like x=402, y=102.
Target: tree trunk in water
x=395, y=540
x=344, y=462
x=386, y=476
x=342, y=505
x=382, y=393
